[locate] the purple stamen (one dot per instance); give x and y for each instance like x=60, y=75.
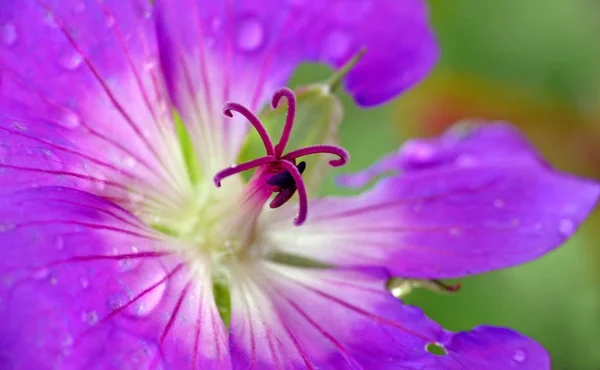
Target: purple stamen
x=260, y=128
x=283, y=165
x=321, y=149
x=303, y=198
x=289, y=119
x=237, y=168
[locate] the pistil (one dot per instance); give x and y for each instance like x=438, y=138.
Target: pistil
x=280, y=170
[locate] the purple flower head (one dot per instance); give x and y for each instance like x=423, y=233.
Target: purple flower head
x=119, y=252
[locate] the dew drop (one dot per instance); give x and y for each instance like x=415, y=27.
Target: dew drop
x=566, y=227
x=70, y=59
x=68, y=119
x=215, y=24
x=110, y=21
x=454, y=231
x=41, y=274
x=91, y=317
x=67, y=341
x=129, y=161
x=499, y=203
x=336, y=45
x=19, y=126
x=465, y=160
x=148, y=302
x=519, y=355
x=417, y=151
x=59, y=243
x=250, y=34
x=53, y=280
x=8, y=34
x=84, y=282
x=79, y=7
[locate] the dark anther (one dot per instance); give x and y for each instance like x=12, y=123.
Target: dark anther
x=284, y=179
x=286, y=184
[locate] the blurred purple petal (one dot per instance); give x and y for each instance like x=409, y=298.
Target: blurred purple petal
x=484, y=201
x=82, y=100
x=295, y=318
x=87, y=285
x=242, y=50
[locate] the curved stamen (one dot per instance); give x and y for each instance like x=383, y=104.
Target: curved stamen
x=324, y=149
x=302, y=196
x=237, y=168
x=262, y=131
x=289, y=120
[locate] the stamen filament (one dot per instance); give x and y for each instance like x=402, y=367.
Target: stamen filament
x=237, y=168
x=321, y=149
x=262, y=131
x=302, y=196
x=289, y=119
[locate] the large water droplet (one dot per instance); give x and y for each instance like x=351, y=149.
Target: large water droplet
x=70, y=59
x=418, y=151
x=250, y=34
x=8, y=34
x=519, y=355
x=566, y=227
x=336, y=45
x=68, y=119
x=147, y=303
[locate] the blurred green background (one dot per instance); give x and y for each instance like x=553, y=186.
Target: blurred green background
x=535, y=63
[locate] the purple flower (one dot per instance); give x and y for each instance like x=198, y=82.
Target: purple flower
x=118, y=251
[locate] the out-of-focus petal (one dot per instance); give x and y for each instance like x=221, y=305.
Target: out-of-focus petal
x=463, y=205
x=295, y=318
x=242, y=50
x=83, y=103
x=86, y=286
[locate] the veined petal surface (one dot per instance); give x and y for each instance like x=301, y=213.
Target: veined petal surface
x=83, y=102
x=294, y=318
x=85, y=285
x=242, y=50
x=467, y=203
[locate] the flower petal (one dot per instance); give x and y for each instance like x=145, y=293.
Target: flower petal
x=242, y=50
x=295, y=318
x=86, y=285
x=83, y=103
x=471, y=204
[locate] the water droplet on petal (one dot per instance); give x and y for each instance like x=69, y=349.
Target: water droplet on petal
x=129, y=161
x=59, y=243
x=215, y=23
x=79, y=7
x=566, y=227
x=91, y=317
x=250, y=34
x=70, y=59
x=84, y=282
x=110, y=21
x=418, y=151
x=499, y=203
x=67, y=341
x=68, y=119
x=336, y=45
x=519, y=355
x=148, y=302
x=8, y=34
x=41, y=274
